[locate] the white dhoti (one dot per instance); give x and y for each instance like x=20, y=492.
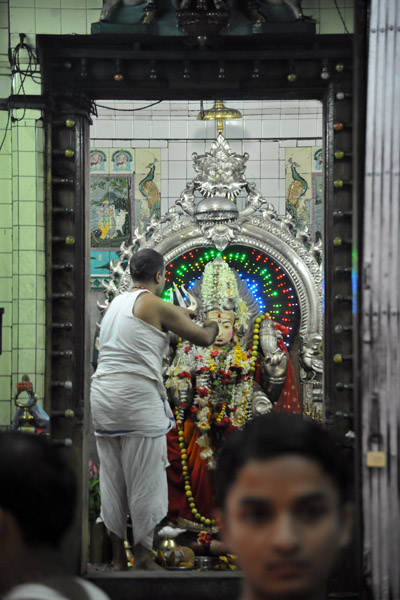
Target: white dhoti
x=133, y=480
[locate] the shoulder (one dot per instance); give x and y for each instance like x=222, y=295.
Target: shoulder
x=33, y=591
x=94, y=592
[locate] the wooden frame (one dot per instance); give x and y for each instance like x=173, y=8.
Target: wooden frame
x=80, y=69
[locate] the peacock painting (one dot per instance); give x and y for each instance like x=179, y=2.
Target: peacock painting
x=149, y=189
x=298, y=186
x=295, y=201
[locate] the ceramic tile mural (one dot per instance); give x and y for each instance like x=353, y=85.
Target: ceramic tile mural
x=124, y=194
x=99, y=160
x=148, y=184
x=99, y=265
x=304, y=187
x=121, y=161
x=110, y=210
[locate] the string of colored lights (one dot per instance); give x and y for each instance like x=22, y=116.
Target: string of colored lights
x=266, y=280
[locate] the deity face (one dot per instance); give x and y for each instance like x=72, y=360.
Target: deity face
x=225, y=321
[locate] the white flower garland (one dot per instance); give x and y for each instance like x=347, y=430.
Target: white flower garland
x=219, y=290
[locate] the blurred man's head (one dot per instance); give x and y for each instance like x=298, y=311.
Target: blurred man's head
x=37, y=489
x=147, y=266
x=284, y=506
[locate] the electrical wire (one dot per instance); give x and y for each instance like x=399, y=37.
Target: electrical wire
x=6, y=130
x=32, y=70
x=341, y=17
x=127, y=109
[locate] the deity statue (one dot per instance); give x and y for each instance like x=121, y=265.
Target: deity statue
x=215, y=390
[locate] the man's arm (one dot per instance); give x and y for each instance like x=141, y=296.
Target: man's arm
x=168, y=317
x=178, y=320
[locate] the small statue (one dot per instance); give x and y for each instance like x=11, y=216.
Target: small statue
x=311, y=359
x=216, y=390
x=150, y=11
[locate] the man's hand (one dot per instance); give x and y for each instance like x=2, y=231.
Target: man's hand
x=208, y=322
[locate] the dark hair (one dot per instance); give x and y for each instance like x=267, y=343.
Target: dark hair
x=145, y=264
x=270, y=436
x=37, y=486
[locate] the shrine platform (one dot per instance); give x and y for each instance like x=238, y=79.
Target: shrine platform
x=169, y=585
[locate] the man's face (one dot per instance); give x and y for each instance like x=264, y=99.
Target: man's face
x=161, y=282
x=283, y=520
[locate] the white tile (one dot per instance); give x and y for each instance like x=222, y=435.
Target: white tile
x=211, y=130
x=275, y=203
x=179, y=129
x=177, y=151
x=281, y=205
x=253, y=149
x=319, y=130
x=124, y=129
x=269, y=188
x=289, y=128
x=197, y=130
x=117, y=143
x=275, y=104
x=190, y=172
x=236, y=146
x=177, y=169
x=269, y=150
x=158, y=143
x=308, y=128
x=161, y=129
x=270, y=128
x=234, y=129
x=164, y=154
x=197, y=147
x=252, y=128
x=252, y=169
x=282, y=169
x=290, y=143
x=305, y=143
x=22, y=18
x=142, y=129
x=290, y=105
x=252, y=104
x=105, y=129
x=175, y=187
x=164, y=188
x=164, y=204
x=270, y=169
x=99, y=143
x=140, y=143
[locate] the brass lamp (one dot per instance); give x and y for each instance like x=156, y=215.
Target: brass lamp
x=219, y=113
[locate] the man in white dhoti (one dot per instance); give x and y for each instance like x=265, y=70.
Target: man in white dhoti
x=130, y=411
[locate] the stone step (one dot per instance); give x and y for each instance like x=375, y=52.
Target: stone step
x=169, y=585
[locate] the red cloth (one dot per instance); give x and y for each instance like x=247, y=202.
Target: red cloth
x=200, y=476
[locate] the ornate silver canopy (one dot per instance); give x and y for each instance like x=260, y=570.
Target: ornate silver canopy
x=206, y=214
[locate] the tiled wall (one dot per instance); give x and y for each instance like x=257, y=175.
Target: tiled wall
x=5, y=270
x=22, y=289
x=266, y=129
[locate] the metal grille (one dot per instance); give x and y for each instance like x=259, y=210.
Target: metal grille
x=380, y=305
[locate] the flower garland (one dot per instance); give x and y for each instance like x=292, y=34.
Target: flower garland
x=224, y=381
x=219, y=290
